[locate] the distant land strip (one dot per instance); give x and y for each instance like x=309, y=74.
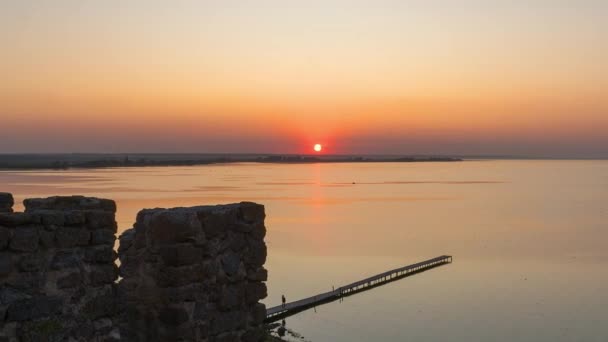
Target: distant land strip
x=67, y=161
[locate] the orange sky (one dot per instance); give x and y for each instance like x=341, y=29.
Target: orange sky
x=480, y=77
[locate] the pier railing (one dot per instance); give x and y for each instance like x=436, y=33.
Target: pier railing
x=281, y=311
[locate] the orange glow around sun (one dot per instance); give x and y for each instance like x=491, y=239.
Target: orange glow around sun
x=318, y=147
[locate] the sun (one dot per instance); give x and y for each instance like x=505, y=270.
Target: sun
x=317, y=147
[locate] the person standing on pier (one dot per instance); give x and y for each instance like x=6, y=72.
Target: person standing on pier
x=283, y=300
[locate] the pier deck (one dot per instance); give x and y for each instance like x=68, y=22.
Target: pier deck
x=281, y=311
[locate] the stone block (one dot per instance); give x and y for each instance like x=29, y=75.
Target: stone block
x=51, y=218
x=259, y=274
x=72, y=236
x=100, y=255
x=180, y=254
x=9, y=295
x=252, y=212
x=255, y=292
x=33, y=308
x=231, y=296
x=179, y=276
x=74, y=218
x=71, y=280
x=103, y=304
x=65, y=259
x=126, y=240
x=174, y=226
x=6, y=202
x=228, y=321
x=103, y=274
x=6, y=264
x=32, y=262
x=256, y=253
x=258, y=314
x=99, y=219
x=173, y=315
x=18, y=219
x=47, y=238
x=231, y=262
x=5, y=235
x=25, y=239
x=103, y=237
x=70, y=203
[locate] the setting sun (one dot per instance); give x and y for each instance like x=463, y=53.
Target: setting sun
x=318, y=147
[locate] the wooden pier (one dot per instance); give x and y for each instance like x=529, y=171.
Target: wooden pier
x=281, y=311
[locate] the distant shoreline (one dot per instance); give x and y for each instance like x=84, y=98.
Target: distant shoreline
x=84, y=161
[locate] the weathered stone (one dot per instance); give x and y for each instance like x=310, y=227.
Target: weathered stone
x=6, y=202
x=33, y=308
x=74, y=218
x=189, y=293
x=65, y=259
x=212, y=247
x=18, y=219
x=72, y=236
x=185, y=280
x=102, y=325
x=215, y=223
x=256, y=255
x=102, y=237
x=231, y=296
x=32, y=262
x=181, y=254
x=255, y=292
x=258, y=313
x=234, y=241
x=5, y=235
x=126, y=240
x=100, y=255
x=180, y=276
x=50, y=330
x=258, y=230
x=99, y=219
x=173, y=315
x=228, y=321
x=260, y=274
x=6, y=264
x=9, y=295
x=51, y=218
x=70, y=203
x=252, y=212
x=254, y=335
x=227, y=337
x=47, y=238
x=231, y=262
x=26, y=280
x=25, y=239
x=71, y=280
x=102, y=305
x=174, y=226
x=103, y=274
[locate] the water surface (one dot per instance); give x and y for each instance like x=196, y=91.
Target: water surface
x=529, y=240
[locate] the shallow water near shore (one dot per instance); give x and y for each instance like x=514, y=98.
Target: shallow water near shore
x=528, y=239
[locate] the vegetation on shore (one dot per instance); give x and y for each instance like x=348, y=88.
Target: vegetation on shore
x=66, y=161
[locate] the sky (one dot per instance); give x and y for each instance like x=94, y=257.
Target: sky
x=525, y=78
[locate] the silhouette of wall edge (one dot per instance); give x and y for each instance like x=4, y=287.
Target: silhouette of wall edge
x=186, y=274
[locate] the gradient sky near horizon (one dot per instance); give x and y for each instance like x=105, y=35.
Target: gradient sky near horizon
x=398, y=77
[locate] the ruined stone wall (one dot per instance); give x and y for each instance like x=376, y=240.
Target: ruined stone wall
x=187, y=274
x=57, y=270
x=194, y=274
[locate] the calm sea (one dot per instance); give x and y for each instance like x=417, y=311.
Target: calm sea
x=529, y=240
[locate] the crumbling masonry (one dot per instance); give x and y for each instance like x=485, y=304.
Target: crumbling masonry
x=185, y=274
